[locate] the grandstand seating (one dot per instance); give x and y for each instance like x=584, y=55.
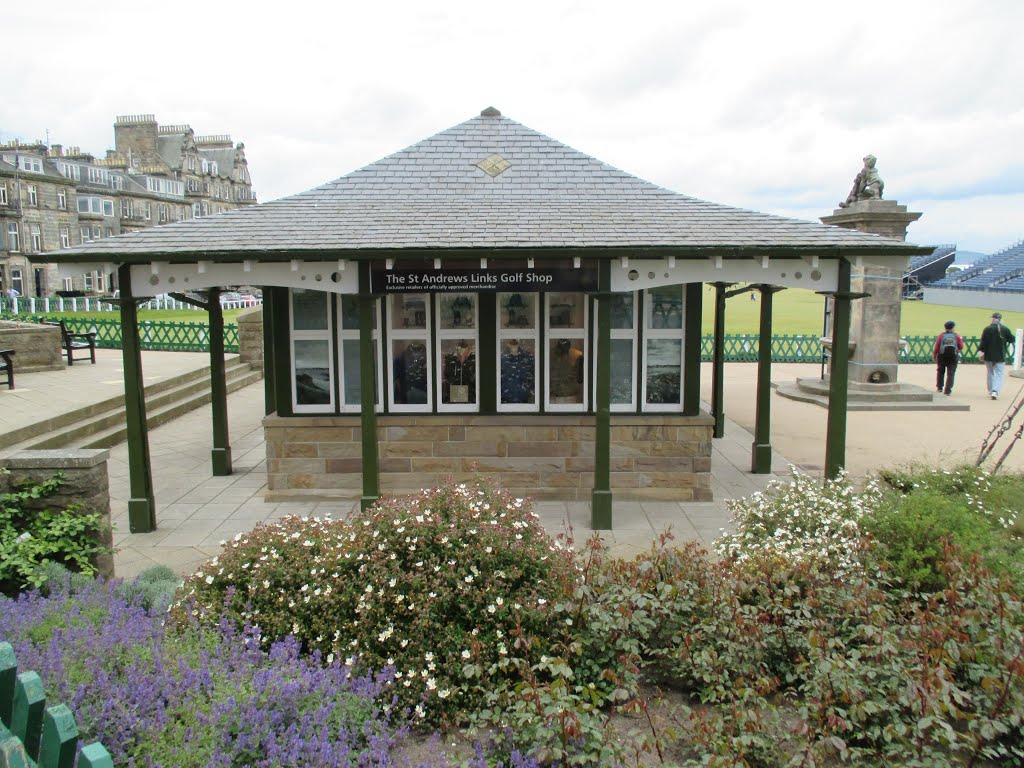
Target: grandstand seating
x=1002, y=270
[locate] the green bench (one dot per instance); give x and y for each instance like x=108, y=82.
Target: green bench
x=7, y=366
x=75, y=342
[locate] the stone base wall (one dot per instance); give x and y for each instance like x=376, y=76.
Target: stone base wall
x=543, y=457
x=85, y=483
x=250, y=337
x=36, y=347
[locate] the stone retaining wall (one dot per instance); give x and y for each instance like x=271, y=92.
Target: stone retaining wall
x=545, y=457
x=36, y=347
x=85, y=483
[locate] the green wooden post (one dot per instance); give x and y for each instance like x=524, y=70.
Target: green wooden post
x=8, y=676
x=691, y=349
x=269, y=381
x=221, y=452
x=141, y=506
x=718, y=364
x=761, y=450
x=27, y=717
x=367, y=392
x=601, y=496
x=60, y=738
x=835, y=436
x=95, y=755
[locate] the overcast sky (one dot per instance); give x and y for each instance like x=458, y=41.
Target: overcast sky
x=767, y=106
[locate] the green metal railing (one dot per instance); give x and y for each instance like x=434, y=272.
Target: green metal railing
x=739, y=348
x=743, y=348
x=32, y=734
x=153, y=334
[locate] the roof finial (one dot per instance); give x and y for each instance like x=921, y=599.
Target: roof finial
x=490, y=112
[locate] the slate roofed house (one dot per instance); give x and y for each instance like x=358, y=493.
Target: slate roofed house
x=517, y=308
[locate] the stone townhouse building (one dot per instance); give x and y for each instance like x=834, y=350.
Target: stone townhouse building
x=53, y=198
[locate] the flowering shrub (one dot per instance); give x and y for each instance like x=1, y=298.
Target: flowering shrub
x=803, y=520
x=437, y=587
x=195, y=698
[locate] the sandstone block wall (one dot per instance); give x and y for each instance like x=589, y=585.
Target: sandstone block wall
x=250, y=337
x=543, y=457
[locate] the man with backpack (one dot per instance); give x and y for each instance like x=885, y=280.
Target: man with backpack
x=946, y=354
x=992, y=349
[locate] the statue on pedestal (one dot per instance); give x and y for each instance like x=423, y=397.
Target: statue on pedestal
x=867, y=185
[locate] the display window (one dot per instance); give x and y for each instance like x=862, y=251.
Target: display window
x=663, y=349
x=312, y=368
x=349, y=359
x=565, y=372
x=409, y=361
x=517, y=352
x=623, y=352
x=427, y=352
x=458, y=366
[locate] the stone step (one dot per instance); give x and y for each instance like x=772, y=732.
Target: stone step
x=167, y=412
x=103, y=424
x=59, y=421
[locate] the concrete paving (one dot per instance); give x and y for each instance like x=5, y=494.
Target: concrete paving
x=196, y=511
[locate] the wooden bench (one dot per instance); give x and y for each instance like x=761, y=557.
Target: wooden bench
x=7, y=365
x=73, y=342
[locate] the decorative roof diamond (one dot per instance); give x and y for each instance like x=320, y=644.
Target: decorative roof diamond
x=493, y=165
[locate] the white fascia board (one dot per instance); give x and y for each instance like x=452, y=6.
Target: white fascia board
x=312, y=275
x=787, y=273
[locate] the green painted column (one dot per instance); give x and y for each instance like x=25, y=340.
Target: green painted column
x=718, y=364
x=601, y=496
x=269, y=378
x=221, y=452
x=839, y=378
x=761, y=450
x=367, y=392
x=141, y=506
x=691, y=349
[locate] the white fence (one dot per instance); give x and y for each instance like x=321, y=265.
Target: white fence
x=31, y=305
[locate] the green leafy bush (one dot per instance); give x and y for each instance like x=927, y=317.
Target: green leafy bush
x=441, y=586
x=154, y=587
x=29, y=539
x=929, y=509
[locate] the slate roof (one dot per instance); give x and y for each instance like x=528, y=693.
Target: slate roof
x=433, y=195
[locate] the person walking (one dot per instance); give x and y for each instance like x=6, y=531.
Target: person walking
x=992, y=349
x=946, y=355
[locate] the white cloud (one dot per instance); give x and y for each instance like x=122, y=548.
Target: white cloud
x=765, y=106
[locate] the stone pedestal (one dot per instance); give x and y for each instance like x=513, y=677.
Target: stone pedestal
x=875, y=319
x=875, y=342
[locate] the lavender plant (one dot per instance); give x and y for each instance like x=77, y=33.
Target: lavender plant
x=216, y=696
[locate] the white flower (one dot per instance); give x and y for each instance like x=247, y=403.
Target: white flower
x=209, y=579
x=465, y=653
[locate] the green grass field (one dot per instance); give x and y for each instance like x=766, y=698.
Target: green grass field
x=798, y=311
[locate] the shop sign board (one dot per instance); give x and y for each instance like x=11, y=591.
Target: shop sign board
x=479, y=280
